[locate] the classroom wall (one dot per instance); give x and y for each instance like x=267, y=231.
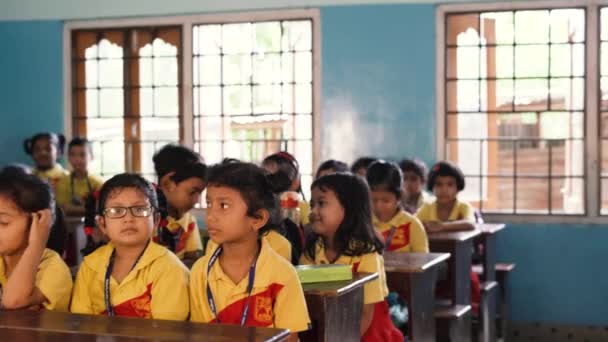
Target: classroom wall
x=377, y=98
x=31, y=82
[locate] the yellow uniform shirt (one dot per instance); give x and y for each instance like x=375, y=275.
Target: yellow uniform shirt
x=53, y=279
x=406, y=233
x=461, y=211
x=304, y=213
x=184, y=231
x=276, y=241
x=156, y=288
x=82, y=188
x=52, y=175
x=374, y=291
x=277, y=299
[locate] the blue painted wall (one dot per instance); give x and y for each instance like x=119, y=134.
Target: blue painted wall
x=31, y=82
x=378, y=81
x=378, y=98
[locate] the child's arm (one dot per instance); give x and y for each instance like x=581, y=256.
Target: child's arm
x=170, y=299
x=453, y=226
x=20, y=290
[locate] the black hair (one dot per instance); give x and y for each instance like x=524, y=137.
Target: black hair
x=363, y=162
x=332, y=164
x=445, y=169
x=179, y=159
x=29, y=193
x=16, y=169
x=230, y=160
x=124, y=181
x=56, y=139
x=355, y=235
x=84, y=142
x=288, y=170
x=417, y=166
x=257, y=188
x=385, y=176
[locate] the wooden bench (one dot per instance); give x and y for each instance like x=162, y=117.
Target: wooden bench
x=413, y=276
x=484, y=323
x=453, y=323
x=503, y=271
x=335, y=308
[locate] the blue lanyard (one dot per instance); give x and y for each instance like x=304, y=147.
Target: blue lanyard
x=389, y=238
x=106, y=283
x=212, y=261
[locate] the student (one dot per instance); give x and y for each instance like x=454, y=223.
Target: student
x=331, y=166
x=45, y=149
x=287, y=168
x=57, y=236
x=131, y=275
x=414, y=177
x=342, y=233
x=31, y=276
x=446, y=212
x=402, y=231
x=242, y=280
x=74, y=188
x=181, y=180
x=360, y=165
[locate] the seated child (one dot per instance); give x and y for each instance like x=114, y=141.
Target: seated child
x=414, y=177
x=45, y=149
x=242, y=280
x=31, y=276
x=342, y=233
x=131, y=276
x=73, y=189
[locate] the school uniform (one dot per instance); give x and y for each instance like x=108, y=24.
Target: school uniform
x=180, y=236
x=75, y=190
x=157, y=286
x=53, y=279
x=269, y=296
x=374, y=292
x=403, y=233
x=461, y=211
x=276, y=241
x=52, y=175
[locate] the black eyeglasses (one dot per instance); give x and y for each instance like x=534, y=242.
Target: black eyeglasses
x=136, y=211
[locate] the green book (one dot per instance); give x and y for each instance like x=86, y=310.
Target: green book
x=324, y=273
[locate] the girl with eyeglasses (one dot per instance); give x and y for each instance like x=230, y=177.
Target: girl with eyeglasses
x=131, y=275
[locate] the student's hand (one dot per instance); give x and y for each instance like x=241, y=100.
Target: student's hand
x=433, y=227
x=40, y=228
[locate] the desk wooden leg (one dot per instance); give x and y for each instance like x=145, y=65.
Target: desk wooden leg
x=421, y=306
x=460, y=273
x=335, y=318
x=489, y=258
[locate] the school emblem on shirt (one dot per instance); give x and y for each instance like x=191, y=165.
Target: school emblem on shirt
x=263, y=309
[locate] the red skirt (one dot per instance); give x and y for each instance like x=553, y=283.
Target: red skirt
x=382, y=328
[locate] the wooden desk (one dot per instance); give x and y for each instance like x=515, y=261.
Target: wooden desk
x=54, y=324
x=460, y=247
x=488, y=240
x=335, y=308
x=413, y=276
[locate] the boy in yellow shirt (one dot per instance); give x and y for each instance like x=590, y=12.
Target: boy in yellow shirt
x=131, y=275
x=242, y=280
x=31, y=276
x=402, y=231
x=181, y=180
x=74, y=188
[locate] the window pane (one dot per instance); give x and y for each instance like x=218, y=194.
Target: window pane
x=237, y=100
x=297, y=35
x=237, y=38
x=210, y=101
x=515, y=108
x=267, y=37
